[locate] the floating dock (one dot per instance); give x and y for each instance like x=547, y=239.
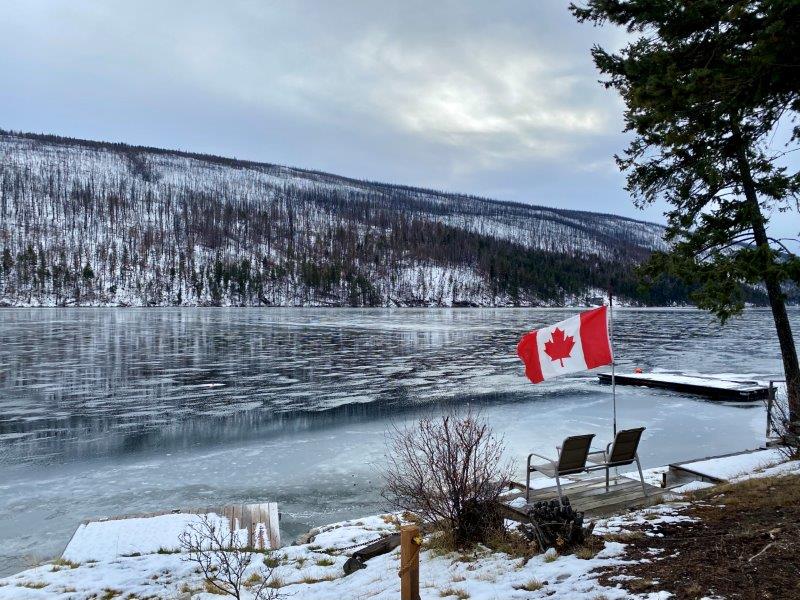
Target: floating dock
x=710, y=387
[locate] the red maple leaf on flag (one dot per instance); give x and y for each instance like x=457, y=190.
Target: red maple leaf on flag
x=560, y=346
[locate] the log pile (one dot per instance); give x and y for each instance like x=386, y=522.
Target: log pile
x=552, y=525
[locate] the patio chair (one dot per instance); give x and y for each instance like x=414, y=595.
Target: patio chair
x=619, y=453
x=572, y=455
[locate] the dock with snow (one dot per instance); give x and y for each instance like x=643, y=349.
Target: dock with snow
x=589, y=496
x=588, y=493
x=711, y=387
x=133, y=535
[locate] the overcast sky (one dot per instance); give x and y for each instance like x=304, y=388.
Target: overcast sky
x=498, y=99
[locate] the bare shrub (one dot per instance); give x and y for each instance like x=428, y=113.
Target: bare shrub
x=780, y=423
x=223, y=560
x=450, y=472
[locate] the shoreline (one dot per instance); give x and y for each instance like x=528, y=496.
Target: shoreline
x=313, y=566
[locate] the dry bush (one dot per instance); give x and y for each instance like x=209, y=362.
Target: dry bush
x=223, y=560
x=450, y=472
x=780, y=423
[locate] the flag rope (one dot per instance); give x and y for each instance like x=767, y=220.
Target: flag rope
x=613, y=358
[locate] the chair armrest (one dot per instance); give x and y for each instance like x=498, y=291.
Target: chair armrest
x=550, y=460
x=602, y=453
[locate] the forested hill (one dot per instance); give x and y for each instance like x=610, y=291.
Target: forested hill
x=93, y=223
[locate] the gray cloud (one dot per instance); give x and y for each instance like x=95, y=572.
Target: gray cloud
x=498, y=99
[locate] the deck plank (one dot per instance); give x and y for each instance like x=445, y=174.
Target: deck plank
x=590, y=496
x=273, y=524
x=598, y=488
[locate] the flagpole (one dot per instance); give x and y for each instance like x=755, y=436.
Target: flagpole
x=613, y=358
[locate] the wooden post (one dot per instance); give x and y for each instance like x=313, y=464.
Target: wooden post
x=410, y=541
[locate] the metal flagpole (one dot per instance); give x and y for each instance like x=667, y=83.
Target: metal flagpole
x=613, y=358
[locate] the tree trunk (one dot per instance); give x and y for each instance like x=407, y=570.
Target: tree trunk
x=783, y=328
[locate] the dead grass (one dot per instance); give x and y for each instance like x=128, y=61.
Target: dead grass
x=300, y=561
x=271, y=561
x=512, y=543
x=639, y=585
x=457, y=592
x=625, y=537
x=254, y=579
x=310, y=580
x=530, y=586
x=439, y=543
x=411, y=518
x=210, y=588
x=765, y=492
x=741, y=545
x=188, y=589
x=64, y=562
x=33, y=585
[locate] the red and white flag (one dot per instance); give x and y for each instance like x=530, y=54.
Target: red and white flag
x=573, y=345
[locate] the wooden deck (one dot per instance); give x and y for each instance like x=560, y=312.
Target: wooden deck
x=262, y=521
x=710, y=387
x=589, y=496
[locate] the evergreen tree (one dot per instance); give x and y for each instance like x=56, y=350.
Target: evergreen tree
x=708, y=84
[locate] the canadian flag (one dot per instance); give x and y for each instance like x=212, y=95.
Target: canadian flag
x=573, y=345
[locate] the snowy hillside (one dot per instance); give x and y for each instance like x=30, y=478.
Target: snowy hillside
x=90, y=223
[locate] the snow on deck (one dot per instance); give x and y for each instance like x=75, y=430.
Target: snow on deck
x=736, y=465
x=106, y=540
x=698, y=380
x=256, y=525
x=717, y=386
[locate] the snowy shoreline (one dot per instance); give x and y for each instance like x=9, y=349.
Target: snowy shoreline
x=109, y=563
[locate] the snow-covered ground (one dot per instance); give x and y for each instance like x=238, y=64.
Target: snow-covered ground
x=314, y=570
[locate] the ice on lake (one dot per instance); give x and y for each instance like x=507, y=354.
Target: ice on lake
x=116, y=411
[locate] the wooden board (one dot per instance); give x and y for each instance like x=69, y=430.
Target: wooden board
x=260, y=520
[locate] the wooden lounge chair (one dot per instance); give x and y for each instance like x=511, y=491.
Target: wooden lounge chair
x=572, y=455
x=619, y=453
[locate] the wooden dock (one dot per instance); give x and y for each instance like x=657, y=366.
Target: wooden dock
x=587, y=492
x=710, y=387
x=146, y=533
x=588, y=496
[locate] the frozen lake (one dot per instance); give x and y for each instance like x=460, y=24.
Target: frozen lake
x=114, y=411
